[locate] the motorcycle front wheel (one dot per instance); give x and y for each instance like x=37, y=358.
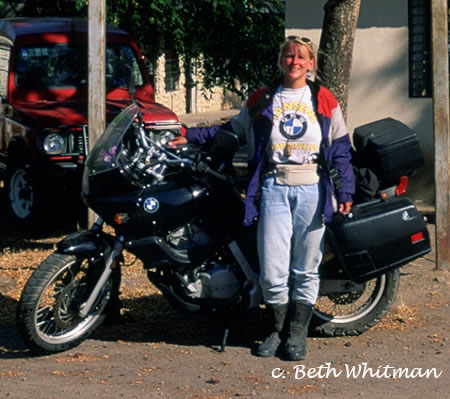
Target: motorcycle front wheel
x=352, y=313
x=47, y=312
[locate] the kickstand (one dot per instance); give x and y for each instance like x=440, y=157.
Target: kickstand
x=226, y=332
x=226, y=322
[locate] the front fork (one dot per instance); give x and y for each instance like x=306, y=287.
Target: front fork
x=116, y=250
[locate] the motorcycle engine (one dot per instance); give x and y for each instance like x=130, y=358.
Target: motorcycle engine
x=217, y=282
x=213, y=281
x=189, y=236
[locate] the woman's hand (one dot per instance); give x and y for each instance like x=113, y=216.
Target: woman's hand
x=180, y=140
x=345, y=207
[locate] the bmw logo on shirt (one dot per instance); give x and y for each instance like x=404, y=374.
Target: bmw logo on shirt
x=151, y=205
x=294, y=127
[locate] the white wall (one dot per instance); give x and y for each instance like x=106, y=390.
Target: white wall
x=379, y=80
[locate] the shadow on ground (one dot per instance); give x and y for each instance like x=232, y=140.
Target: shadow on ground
x=151, y=319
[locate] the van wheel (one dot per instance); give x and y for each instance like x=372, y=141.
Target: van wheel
x=21, y=196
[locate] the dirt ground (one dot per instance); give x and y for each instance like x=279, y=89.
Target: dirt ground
x=158, y=352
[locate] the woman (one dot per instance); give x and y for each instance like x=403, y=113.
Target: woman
x=286, y=126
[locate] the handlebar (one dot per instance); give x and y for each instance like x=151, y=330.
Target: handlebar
x=203, y=167
x=152, y=149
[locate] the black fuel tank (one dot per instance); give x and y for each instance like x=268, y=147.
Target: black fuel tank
x=153, y=210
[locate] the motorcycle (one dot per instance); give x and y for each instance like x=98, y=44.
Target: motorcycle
x=180, y=211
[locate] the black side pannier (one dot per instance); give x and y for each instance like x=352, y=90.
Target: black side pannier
x=389, y=148
x=379, y=236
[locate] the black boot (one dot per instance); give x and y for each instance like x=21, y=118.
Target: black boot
x=272, y=342
x=296, y=343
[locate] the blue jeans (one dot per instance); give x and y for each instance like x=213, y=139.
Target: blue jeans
x=290, y=241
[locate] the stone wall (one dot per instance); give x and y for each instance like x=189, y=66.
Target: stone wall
x=204, y=100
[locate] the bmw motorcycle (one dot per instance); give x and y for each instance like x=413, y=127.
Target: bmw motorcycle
x=179, y=210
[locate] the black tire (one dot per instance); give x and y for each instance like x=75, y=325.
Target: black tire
x=47, y=312
x=358, y=311
x=21, y=196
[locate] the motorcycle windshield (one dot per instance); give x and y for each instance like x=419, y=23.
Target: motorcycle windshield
x=103, y=155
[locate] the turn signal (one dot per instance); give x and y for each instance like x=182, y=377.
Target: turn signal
x=121, y=218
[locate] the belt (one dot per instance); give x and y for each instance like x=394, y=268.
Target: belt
x=272, y=170
x=294, y=174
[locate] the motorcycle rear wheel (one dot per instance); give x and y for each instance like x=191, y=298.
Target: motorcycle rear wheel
x=355, y=312
x=47, y=312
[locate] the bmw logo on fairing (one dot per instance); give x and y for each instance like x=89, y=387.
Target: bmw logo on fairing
x=151, y=205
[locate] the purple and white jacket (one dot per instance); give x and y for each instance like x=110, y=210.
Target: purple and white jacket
x=254, y=125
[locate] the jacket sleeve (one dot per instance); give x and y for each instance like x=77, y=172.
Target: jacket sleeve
x=341, y=160
x=239, y=125
x=202, y=135
x=341, y=155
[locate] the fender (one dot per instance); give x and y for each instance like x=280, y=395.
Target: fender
x=85, y=243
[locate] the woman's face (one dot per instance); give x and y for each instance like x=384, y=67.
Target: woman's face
x=295, y=63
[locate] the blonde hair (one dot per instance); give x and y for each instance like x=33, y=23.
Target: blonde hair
x=299, y=41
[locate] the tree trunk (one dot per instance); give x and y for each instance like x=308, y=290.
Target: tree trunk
x=334, y=61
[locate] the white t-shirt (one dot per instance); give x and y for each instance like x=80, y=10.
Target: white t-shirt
x=296, y=133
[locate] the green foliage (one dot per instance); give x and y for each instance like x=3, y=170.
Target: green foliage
x=238, y=40
x=230, y=41
x=63, y=8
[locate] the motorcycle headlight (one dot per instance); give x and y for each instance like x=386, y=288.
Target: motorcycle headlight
x=53, y=144
x=165, y=136
x=162, y=132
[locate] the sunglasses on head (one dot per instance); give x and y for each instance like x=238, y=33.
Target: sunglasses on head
x=304, y=40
